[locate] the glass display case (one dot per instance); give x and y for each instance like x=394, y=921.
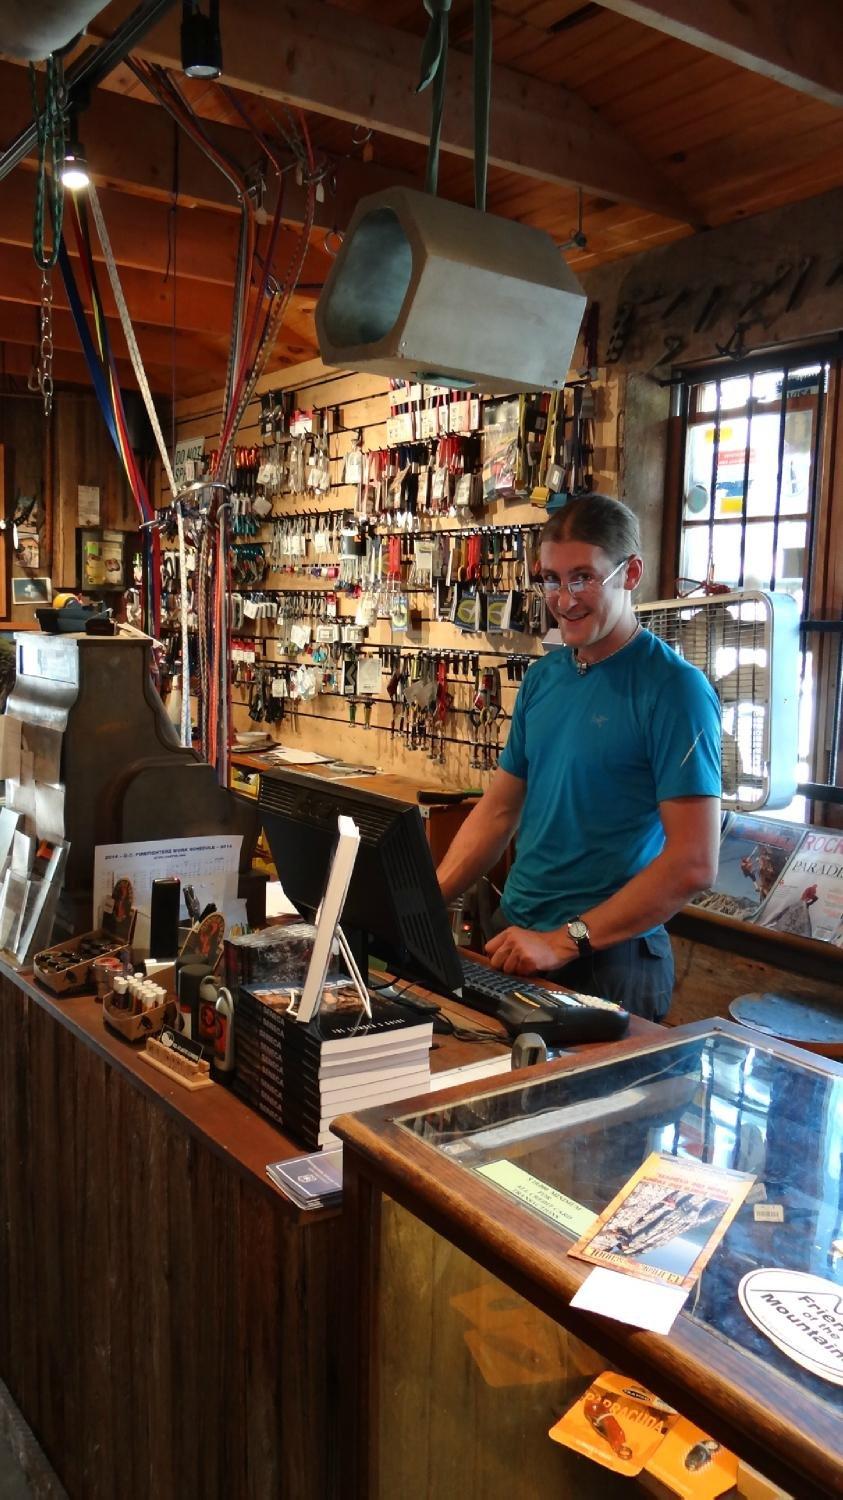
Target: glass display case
x=474, y=1322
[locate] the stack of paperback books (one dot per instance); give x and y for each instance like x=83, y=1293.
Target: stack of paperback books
x=301, y=1076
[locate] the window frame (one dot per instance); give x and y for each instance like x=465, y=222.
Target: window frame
x=821, y=625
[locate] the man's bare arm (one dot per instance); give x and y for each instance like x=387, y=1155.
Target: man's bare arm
x=484, y=835
x=687, y=864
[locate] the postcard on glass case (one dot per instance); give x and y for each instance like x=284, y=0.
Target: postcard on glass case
x=666, y=1220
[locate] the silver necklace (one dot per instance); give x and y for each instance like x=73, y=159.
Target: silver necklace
x=584, y=666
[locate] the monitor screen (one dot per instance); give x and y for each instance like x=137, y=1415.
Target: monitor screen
x=393, y=899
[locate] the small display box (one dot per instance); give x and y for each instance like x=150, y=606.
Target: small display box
x=66, y=969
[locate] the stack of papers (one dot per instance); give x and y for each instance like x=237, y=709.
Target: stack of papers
x=313, y=1181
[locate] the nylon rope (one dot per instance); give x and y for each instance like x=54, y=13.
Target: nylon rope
x=146, y=394
x=50, y=133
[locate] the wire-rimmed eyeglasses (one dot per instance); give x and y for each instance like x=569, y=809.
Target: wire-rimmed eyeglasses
x=579, y=582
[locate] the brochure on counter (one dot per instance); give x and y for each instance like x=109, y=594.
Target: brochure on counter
x=661, y=1229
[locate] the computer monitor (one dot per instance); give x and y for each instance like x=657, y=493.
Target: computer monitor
x=394, y=905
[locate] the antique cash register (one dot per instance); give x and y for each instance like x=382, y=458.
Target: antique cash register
x=125, y=775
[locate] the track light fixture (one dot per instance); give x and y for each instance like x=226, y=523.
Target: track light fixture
x=201, y=48
x=74, y=168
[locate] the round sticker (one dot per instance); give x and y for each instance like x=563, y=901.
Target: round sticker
x=801, y=1314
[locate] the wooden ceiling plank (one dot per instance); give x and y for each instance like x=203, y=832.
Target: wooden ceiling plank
x=797, y=45
x=718, y=114
x=689, y=73
x=578, y=70
x=139, y=231
x=309, y=54
x=652, y=71
x=68, y=368
x=767, y=143
x=19, y=325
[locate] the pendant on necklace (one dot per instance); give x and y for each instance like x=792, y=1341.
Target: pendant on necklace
x=582, y=666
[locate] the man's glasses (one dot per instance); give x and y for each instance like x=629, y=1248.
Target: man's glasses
x=579, y=582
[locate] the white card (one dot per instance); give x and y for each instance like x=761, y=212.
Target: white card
x=49, y=811
x=642, y=1304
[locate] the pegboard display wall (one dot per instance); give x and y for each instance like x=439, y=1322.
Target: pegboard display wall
x=382, y=608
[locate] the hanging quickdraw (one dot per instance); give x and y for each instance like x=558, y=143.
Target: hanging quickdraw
x=45, y=352
x=50, y=126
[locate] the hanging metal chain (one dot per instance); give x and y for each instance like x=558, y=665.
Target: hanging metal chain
x=50, y=127
x=45, y=359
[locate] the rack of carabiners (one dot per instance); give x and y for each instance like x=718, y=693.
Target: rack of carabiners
x=425, y=698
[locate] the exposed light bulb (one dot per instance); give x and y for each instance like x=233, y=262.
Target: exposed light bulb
x=74, y=171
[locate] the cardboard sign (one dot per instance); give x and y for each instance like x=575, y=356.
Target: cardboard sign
x=801, y=1314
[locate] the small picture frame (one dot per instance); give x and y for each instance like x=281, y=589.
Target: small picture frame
x=32, y=590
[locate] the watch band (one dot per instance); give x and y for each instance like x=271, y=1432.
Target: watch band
x=579, y=933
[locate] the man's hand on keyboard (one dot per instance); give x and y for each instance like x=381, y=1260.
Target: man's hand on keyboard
x=517, y=950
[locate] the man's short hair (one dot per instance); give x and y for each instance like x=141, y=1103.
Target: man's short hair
x=598, y=520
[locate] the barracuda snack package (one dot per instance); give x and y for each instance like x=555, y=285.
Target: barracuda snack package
x=617, y=1423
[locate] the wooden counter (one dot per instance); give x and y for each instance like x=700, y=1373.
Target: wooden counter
x=170, y=1324
x=168, y=1319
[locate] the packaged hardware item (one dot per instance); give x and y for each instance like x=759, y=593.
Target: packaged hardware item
x=276, y=956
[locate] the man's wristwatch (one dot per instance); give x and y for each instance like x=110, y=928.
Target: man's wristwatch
x=580, y=934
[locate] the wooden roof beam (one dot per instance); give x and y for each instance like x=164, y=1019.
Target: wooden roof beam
x=307, y=53
x=200, y=308
x=798, y=45
x=19, y=324
x=15, y=359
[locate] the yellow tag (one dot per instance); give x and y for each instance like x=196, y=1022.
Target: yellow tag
x=768, y=1213
x=564, y=1211
x=540, y=495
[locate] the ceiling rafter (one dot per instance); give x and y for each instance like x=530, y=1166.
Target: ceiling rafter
x=307, y=53
x=798, y=45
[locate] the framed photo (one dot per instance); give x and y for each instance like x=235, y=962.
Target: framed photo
x=32, y=590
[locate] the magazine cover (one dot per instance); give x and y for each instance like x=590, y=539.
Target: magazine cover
x=807, y=899
x=753, y=855
x=666, y=1220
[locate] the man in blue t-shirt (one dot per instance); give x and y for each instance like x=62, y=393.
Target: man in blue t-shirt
x=610, y=777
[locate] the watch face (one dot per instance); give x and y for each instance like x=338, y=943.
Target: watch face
x=578, y=930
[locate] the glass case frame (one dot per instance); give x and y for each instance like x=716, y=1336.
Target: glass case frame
x=773, y=1419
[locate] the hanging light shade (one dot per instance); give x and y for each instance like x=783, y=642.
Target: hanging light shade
x=426, y=290
x=201, y=46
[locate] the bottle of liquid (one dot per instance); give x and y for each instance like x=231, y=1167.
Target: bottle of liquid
x=223, y=1060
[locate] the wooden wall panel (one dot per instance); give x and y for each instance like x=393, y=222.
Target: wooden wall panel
x=26, y=436
x=84, y=454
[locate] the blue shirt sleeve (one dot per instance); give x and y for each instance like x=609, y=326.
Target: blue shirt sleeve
x=683, y=731
x=514, y=754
